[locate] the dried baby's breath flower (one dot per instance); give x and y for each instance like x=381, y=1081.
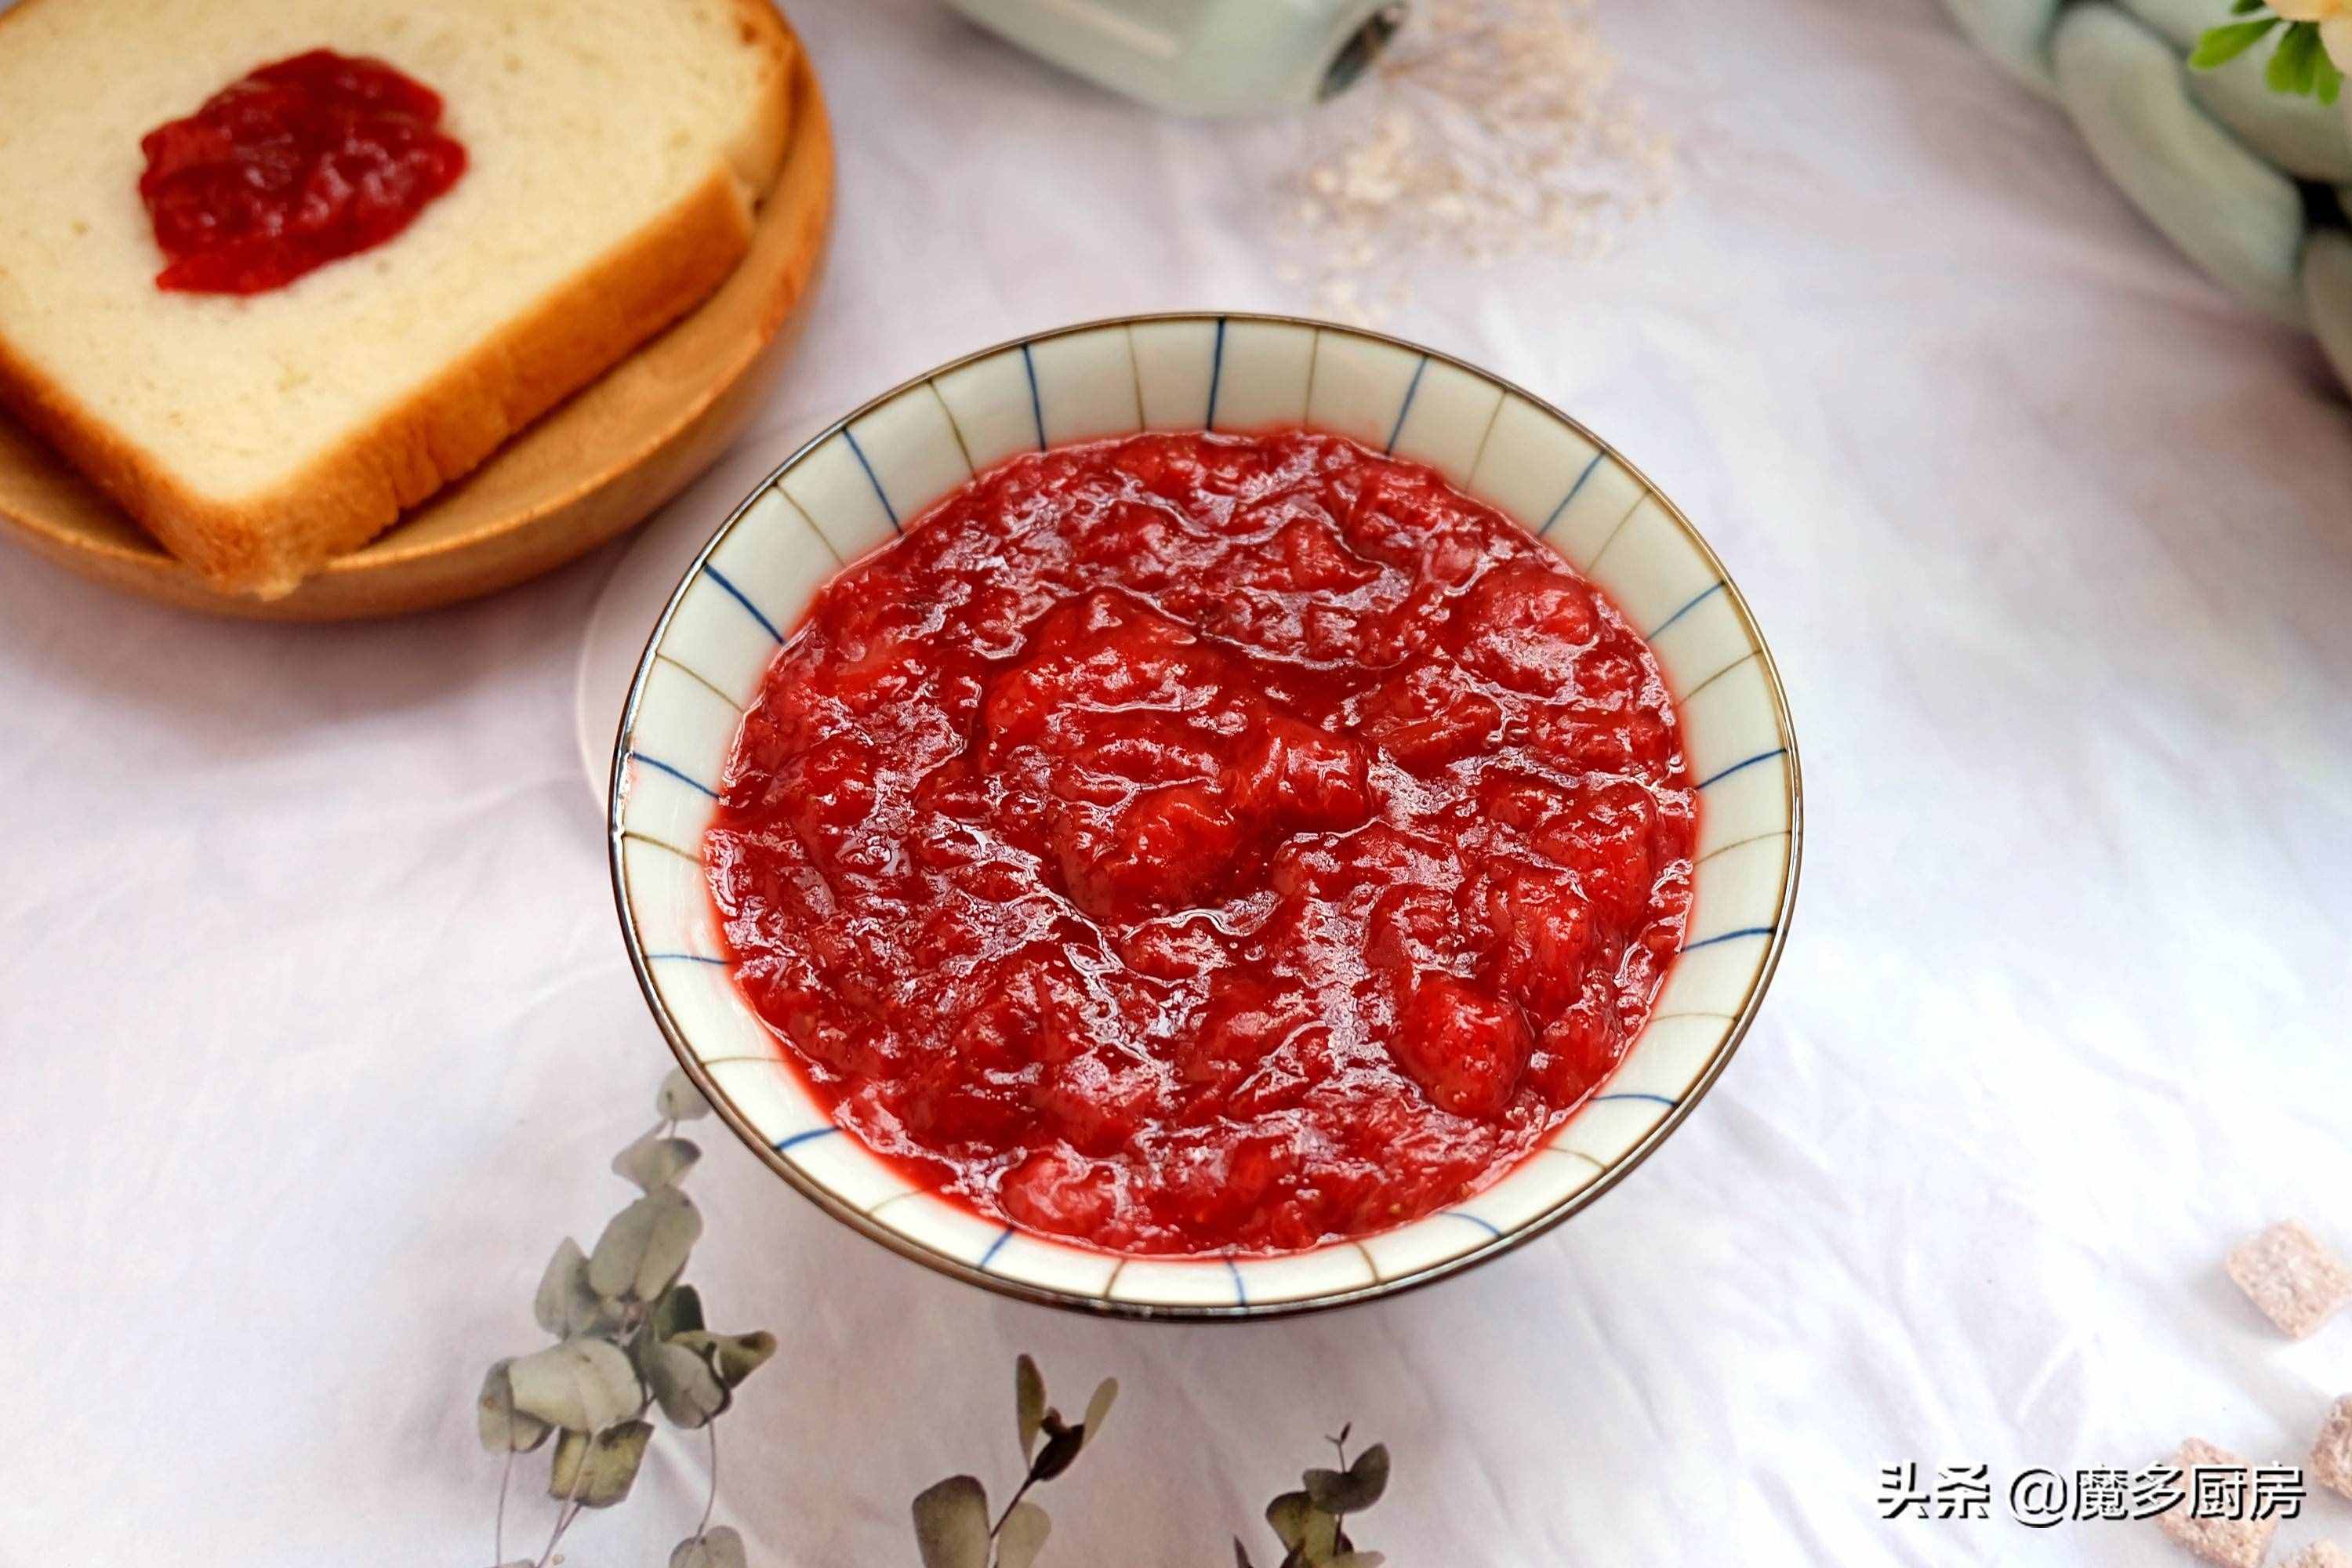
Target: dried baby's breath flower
x=1491, y=129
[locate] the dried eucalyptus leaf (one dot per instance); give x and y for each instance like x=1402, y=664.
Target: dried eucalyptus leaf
x=1022, y=1535
x=733, y=1357
x=1288, y=1514
x=643, y=1247
x=1355, y=1559
x=565, y=1306
x=741, y=1355
x=505, y=1428
x=678, y=1311
x=1028, y=1404
x=679, y=1101
x=1061, y=1449
x=597, y=1472
x=1096, y=1408
x=719, y=1548
x=1241, y=1554
x=581, y=1385
x=1357, y=1488
x=951, y=1525
x=654, y=1161
x=1331, y=1489
x=683, y=1384
x=1319, y=1537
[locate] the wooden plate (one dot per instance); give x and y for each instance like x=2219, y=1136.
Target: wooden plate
x=588, y=470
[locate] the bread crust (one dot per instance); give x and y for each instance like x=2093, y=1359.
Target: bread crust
x=265, y=545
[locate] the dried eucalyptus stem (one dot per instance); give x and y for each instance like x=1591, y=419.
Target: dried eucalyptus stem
x=629, y=1336
x=1312, y=1521
x=952, y=1523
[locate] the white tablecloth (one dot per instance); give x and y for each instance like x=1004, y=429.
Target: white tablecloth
x=317, y=1032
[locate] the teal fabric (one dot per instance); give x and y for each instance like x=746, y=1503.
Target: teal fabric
x=2014, y=32
x=2228, y=210
x=2180, y=20
x=2328, y=296
x=2308, y=139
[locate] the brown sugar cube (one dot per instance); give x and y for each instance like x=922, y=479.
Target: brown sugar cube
x=2290, y=1274
x=2331, y=1451
x=2321, y=1554
x=2224, y=1542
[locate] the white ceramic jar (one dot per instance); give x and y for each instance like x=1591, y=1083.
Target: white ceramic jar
x=1202, y=57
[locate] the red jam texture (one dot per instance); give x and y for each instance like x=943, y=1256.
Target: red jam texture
x=301, y=163
x=1196, y=843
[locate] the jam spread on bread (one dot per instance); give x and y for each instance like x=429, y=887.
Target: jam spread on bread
x=1199, y=842
x=290, y=167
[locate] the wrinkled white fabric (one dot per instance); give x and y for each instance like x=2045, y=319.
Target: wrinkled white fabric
x=318, y=1034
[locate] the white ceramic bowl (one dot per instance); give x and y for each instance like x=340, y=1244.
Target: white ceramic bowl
x=854, y=486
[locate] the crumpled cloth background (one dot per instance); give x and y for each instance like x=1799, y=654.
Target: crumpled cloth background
x=317, y=1033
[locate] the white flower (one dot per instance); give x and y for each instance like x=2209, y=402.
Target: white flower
x=2336, y=32
x=2334, y=19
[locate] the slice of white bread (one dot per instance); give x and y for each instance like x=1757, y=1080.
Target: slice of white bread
x=617, y=151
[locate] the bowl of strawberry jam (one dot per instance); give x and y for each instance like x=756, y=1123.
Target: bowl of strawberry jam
x=1204, y=816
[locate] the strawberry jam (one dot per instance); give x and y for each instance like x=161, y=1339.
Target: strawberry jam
x=1199, y=843
x=290, y=167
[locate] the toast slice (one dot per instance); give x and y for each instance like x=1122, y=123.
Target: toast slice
x=616, y=152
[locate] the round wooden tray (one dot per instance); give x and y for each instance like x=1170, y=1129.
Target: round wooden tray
x=592, y=468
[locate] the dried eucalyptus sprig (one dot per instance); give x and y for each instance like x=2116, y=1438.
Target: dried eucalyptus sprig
x=629, y=1335
x=1312, y=1521
x=952, y=1527
x=2301, y=64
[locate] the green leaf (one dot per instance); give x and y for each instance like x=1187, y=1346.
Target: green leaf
x=581, y=1385
x=2291, y=68
x=597, y=1471
x=2308, y=59
x=645, y=1247
x=1096, y=1408
x=2246, y=7
x=1022, y=1535
x=2330, y=81
x=683, y=1382
x=951, y=1525
x=565, y=1306
x=678, y=1311
x=733, y=1357
x=679, y=1101
x=1028, y=1404
x=719, y=1548
x=655, y=1162
x=2220, y=46
x=506, y=1430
